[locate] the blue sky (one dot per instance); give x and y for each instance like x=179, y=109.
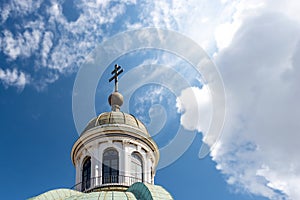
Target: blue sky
x=254, y=44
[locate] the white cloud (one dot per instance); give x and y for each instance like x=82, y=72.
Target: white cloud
x=258, y=53
x=234, y=14
x=5, y=11
x=257, y=50
x=195, y=106
x=46, y=46
x=25, y=6
x=258, y=151
x=17, y=8
x=13, y=78
x=55, y=10
x=21, y=44
x=10, y=45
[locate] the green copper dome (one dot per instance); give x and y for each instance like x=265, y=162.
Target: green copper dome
x=145, y=191
x=58, y=194
x=137, y=191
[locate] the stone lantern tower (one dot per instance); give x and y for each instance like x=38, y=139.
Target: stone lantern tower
x=115, y=158
x=115, y=149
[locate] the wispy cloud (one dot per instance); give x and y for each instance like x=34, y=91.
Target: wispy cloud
x=5, y=13
x=14, y=78
x=21, y=45
x=46, y=46
x=55, y=43
x=17, y=8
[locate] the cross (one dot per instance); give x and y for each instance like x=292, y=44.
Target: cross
x=116, y=72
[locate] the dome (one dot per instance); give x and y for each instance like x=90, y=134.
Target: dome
x=116, y=117
x=140, y=191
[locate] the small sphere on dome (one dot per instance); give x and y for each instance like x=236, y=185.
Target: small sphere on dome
x=115, y=99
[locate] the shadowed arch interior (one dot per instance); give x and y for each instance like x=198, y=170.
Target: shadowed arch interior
x=137, y=167
x=110, y=166
x=86, y=174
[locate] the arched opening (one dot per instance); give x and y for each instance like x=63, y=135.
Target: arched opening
x=86, y=174
x=137, y=167
x=110, y=166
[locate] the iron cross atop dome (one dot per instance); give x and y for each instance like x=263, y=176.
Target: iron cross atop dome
x=115, y=100
x=116, y=72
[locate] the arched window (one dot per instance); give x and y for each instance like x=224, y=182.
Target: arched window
x=137, y=167
x=86, y=174
x=110, y=166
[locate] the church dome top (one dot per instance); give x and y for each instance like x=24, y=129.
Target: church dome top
x=116, y=118
x=110, y=120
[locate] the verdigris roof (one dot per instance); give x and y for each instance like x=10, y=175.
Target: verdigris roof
x=58, y=194
x=147, y=191
x=116, y=117
x=103, y=195
x=137, y=191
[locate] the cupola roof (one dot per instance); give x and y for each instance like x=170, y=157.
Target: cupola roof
x=114, y=118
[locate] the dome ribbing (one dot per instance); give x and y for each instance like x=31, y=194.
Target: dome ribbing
x=114, y=118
